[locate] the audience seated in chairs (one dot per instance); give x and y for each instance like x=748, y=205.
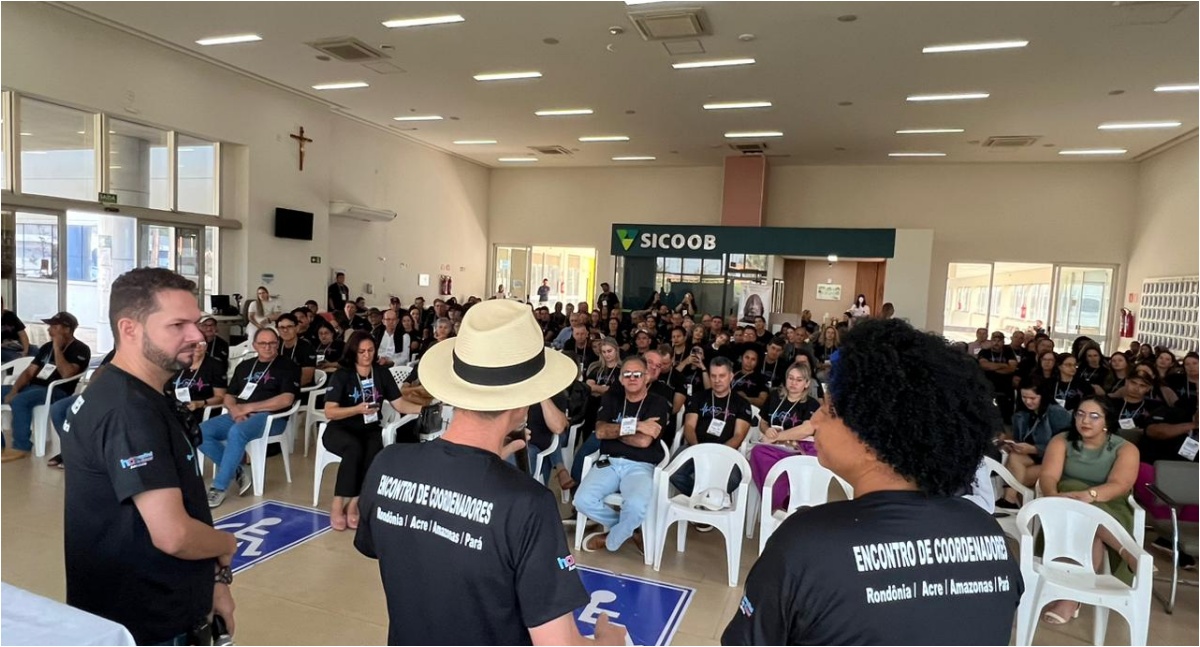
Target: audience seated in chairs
x=716, y=415
x=1040, y=418
x=786, y=430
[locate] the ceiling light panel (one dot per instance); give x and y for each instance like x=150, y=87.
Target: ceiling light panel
x=953, y=96
x=1139, y=125
x=723, y=62
x=1178, y=87
x=422, y=22
x=507, y=76
x=418, y=118
x=754, y=134
x=928, y=131
x=474, y=142
x=737, y=105
x=517, y=159
x=566, y=112
x=928, y=154
x=229, y=40
x=634, y=158
x=975, y=47
x=343, y=85
x=604, y=138
x=1094, y=151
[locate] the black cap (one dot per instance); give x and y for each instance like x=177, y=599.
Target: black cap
x=64, y=318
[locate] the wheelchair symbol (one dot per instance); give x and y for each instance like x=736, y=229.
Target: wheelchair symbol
x=251, y=537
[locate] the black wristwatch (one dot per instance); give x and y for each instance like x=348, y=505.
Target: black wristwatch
x=224, y=575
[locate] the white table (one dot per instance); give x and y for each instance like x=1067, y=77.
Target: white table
x=30, y=619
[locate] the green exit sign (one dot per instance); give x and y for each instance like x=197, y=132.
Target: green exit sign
x=314, y=259
x=108, y=198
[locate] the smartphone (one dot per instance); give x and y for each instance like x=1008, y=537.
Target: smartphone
x=522, y=455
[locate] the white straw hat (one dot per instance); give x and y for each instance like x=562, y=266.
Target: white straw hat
x=497, y=362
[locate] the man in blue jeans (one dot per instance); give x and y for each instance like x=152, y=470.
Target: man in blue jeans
x=264, y=384
x=61, y=357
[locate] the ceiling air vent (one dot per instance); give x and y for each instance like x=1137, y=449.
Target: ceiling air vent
x=550, y=150
x=350, y=50
x=1010, y=141
x=754, y=148
x=667, y=24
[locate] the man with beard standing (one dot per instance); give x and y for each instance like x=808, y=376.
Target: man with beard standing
x=140, y=546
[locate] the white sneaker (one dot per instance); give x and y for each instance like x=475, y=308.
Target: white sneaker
x=215, y=497
x=243, y=481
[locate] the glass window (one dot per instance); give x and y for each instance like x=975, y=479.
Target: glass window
x=196, y=172
x=712, y=267
x=691, y=266
x=100, y=247
x=3, y=149
x=57, y=147
x=138, y=165
x=673, y=265
x=212, y=239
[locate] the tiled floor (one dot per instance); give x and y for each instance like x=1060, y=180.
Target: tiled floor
x=324, y=592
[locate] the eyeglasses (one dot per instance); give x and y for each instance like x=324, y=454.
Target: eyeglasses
x=366, y=351
x=287, y=327
x=632, y=375
x=266, y=344
x=1090, y=415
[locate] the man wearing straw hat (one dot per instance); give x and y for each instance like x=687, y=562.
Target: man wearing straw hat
x=471, y=550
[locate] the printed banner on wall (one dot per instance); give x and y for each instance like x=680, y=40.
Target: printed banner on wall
x=753, y=299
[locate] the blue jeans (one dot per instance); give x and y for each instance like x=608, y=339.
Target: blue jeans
x=59, y=411
x=634, y=480
x=225, y=442
x=554, y=459
x=589, y=446
x=684, y=479
x=22, y=413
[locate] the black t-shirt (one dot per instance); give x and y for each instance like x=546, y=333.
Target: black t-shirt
x=76, y=352
x=667, y=389
x=199, y=382
x=10, y=326
x=218, y=350
x=331, y=353
x=810, y=325
x=1097, y=376
x=1070, y=392
x=543, y=293
x=1186, y=390
x=1165, y=449
x=605, y=376
x=346, y=389
x=1140, y=412
x=483, y=540
x=764, y=337
x=303, y=354
x=272, y=378
x=360, y=323
x=887, y=568
x=708, y=407
x=749, y=385
x=779, y=412
x=540, y=435
x=1002, y=356
x=614, y=407
x=774, y=374
x=122, y=439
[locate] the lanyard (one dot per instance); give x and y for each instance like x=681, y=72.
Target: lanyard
x=774, y=370
x=789, y=411
x=1064, y=393
x=321, y=350
x=608, y=378
x=189, y=382
x=1122, y=415
x=637, y=413
x=1087, y=375
x=254, y=366
x=713, y=402
x=292, y=355
x=738, y=379
x=363, y=388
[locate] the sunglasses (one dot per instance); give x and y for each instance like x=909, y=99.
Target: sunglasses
x=632, y=375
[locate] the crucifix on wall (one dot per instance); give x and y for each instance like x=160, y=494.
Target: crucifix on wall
x=301, y=140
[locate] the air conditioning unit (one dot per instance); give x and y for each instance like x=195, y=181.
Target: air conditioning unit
x=357, y=212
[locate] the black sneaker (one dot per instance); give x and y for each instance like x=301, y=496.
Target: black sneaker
x=1186, y=561
x=244, y=481
x=1007, y=505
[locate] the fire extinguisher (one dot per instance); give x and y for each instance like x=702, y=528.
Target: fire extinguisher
x=1127, y=324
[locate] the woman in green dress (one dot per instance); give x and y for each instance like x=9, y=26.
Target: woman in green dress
x=1093, y=464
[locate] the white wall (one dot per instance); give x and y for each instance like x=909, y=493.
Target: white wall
x=843, y=273
x=1165, y=228
x=909, y=282
x=55, y=54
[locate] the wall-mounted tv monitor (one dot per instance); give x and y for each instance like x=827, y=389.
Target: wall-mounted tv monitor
x=290, y=223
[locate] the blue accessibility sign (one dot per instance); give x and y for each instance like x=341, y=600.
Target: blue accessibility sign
x=270, y=528
x=649, y=610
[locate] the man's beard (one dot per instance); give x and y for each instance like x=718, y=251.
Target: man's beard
x=160, y=358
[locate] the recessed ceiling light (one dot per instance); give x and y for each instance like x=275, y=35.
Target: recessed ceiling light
x=229, y=40
x=517, y=159
x=723, y=62
x=1094, y=151
x=27, y=134
x=117, y=166
x=754, y=134
x=474, y=142
x=959, y=96
x=916, y=154
x=1178, y=87
x=418, y=118
x=737, y=105
x=344, y=85
x=568, y=112
x=928, y=131
x=80, y=132
x=507, y=76
x=637, y=2
x=974, y=47
x=421, y=22
x=604, y=138
x=634, y=158
x=1139, y=125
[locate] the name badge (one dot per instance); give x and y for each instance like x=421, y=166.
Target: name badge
x=248, y=391
x=369, y=418
x=716, y=427
x=1062, y=402
x=688, y=388
x=628, y=426
x=1127, y=423
x=46, y=371
x=183, y=394
x=1189, y=448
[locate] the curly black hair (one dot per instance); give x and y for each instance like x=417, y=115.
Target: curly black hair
x=925, y=409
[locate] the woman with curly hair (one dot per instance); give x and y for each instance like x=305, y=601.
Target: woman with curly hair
x=905, y=423
x=1093, y=464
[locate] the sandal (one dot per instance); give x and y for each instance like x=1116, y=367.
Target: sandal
x=57, y=461
x=570, y=482
x=1052, y=618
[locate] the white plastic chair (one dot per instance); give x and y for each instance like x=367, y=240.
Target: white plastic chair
x=677, y=441
x=808, y=486
x=325, y=458
x=615, y=500
x=714, y=462
x=41, y=415
x=542, y=456
x=10, y=370
x=568, y=451
x=396, y=422
x=1139, y=514
x=312, y=415
x=1068, y=528
x=1008, y=518
x=400, y=373
x=257, y=448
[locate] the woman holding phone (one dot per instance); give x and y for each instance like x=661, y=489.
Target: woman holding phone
x=356, y=392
